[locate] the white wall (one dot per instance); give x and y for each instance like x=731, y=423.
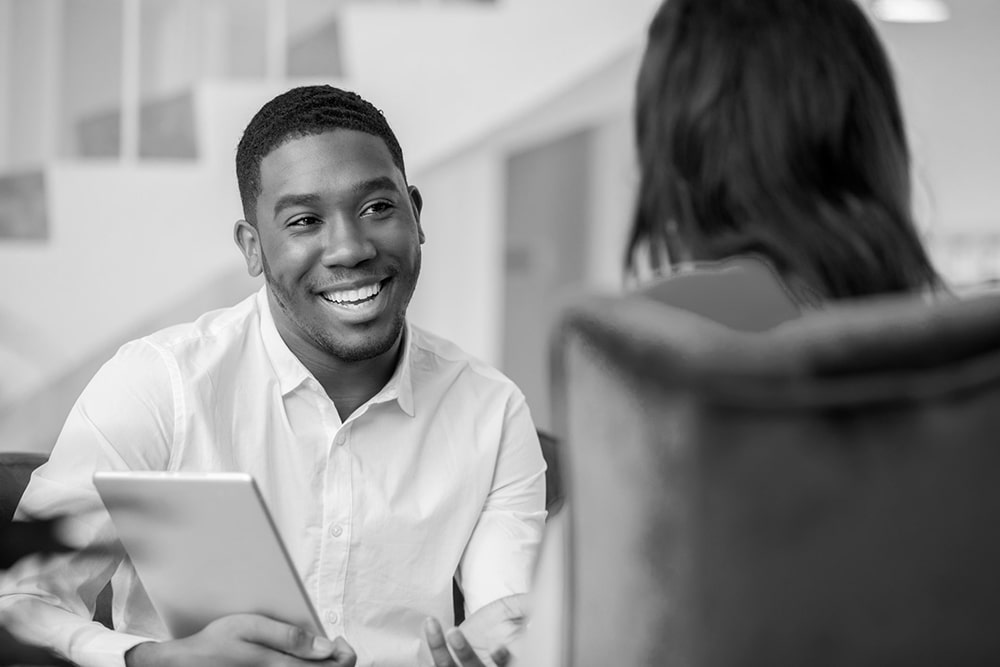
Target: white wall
x=91, y=66
x=304, y=16
x=33, y=96
x=455, y=70
x=124, y=243
x=615, y=178
x=460, y=288
x=949, y=78
x=6, y=65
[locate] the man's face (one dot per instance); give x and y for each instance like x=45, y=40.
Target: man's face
x=338, y=239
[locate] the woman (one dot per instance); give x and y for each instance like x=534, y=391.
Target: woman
x=775, y=176
x=770, y=137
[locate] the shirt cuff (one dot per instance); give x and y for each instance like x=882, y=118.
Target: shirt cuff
x=107, y=650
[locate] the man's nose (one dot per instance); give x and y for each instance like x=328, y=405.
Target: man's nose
x=347, y=244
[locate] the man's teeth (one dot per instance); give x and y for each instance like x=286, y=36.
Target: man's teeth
x=354, y=295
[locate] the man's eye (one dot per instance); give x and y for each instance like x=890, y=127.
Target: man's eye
x=377, y=208
x=304, y=221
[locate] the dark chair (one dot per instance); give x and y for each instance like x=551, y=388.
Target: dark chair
x=553, y=479
x=18, y=540
x=15, y=471
x=823, y=493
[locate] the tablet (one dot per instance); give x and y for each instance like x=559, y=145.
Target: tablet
x=204, y=546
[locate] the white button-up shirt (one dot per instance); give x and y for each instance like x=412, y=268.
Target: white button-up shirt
x=439, y=474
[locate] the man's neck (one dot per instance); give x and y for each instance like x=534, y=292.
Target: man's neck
x=349, y=384
x=352, y=385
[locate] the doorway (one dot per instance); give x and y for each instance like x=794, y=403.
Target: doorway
x=547, y=227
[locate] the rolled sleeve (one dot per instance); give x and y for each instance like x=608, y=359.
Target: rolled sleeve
x=500, y=556
x=123, y=420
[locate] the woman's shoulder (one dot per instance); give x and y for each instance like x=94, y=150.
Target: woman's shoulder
x=743, y=293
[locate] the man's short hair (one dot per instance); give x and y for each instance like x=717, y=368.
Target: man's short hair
x=302, y=112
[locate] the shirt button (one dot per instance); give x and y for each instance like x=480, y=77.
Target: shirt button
x=336, y=530
x=340, y=439
x=332, y=618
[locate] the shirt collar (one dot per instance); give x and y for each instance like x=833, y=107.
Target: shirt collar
x=400, y=386
x=292, y=373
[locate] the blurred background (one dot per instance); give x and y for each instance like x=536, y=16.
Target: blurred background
x=119, y=121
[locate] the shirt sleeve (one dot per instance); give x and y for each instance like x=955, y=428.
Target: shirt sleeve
x=123, y=420
x=500, y=556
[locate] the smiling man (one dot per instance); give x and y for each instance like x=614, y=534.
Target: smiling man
x=392, y=461
x=336, y=231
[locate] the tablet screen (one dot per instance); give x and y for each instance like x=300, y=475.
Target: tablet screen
x=204, y=546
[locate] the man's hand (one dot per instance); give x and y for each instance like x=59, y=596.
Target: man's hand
x=244, y=639
x=483, y=636
x=438, y=642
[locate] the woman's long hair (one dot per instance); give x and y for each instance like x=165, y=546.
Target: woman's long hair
x=773, y=127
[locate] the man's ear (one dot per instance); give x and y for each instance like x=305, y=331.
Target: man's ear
x=245, y=235
x=417, y=201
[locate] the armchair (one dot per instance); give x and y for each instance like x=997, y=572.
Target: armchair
x=822, y=493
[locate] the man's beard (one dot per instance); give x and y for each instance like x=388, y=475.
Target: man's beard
x=322, y=339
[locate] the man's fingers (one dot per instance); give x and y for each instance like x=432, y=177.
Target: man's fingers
x=437, y=644
x=343, y=655
x=501, y=656
x=283, y=637
x=463, y=650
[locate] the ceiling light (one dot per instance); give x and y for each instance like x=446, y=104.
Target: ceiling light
x=910, y=11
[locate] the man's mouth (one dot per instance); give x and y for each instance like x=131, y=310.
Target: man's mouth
x=354, y=297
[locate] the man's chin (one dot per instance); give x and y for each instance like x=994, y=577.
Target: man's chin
x=363, y=346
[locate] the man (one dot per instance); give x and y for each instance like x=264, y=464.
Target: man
x=391, y=461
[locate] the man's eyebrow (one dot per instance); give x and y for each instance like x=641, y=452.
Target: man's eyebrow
x=307, y=200
x=372, y=184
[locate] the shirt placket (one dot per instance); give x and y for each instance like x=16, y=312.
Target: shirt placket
x=338, y=513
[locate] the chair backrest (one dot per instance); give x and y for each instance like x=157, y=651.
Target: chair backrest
x=553, y=478
x=15, y=470
x=824, y=492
